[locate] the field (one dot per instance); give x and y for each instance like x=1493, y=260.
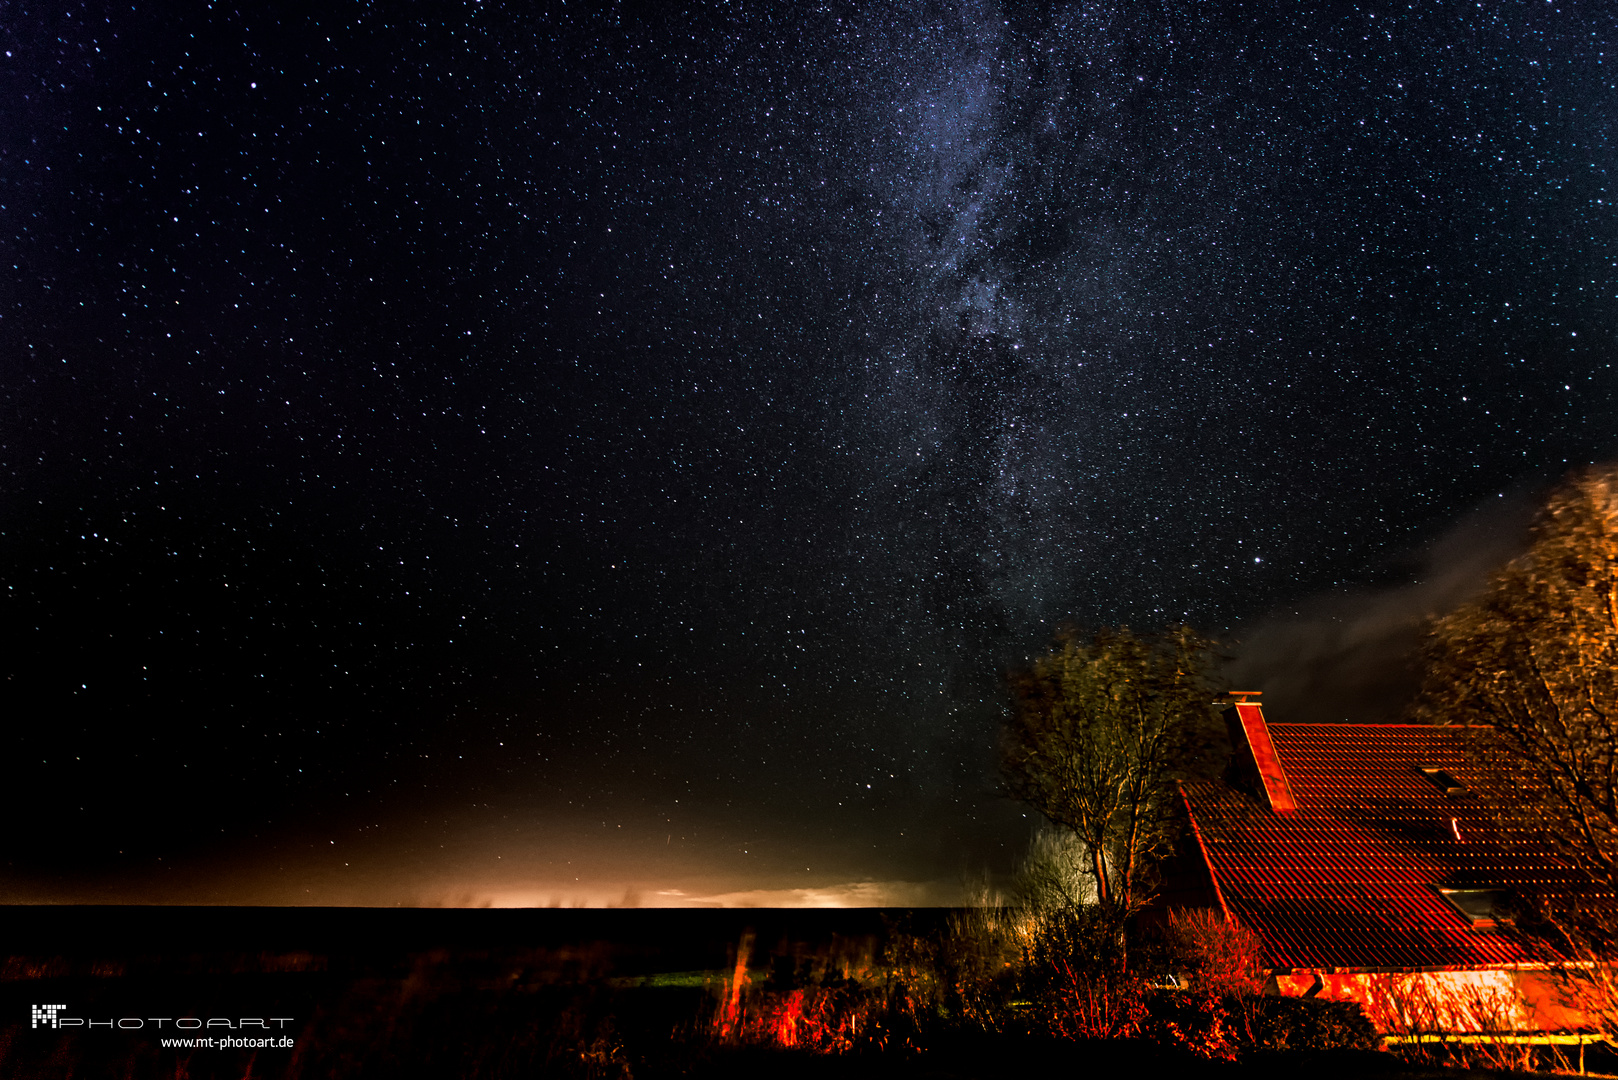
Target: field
x=360, y=993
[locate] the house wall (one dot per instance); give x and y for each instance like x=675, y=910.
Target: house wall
x=1454, y=1002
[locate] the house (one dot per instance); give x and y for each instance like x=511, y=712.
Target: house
x=1370, y=868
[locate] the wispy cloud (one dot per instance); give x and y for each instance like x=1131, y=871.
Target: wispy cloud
x=1349, y=656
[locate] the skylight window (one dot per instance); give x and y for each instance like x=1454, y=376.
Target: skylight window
x=1446, y=783
x=1483, y=909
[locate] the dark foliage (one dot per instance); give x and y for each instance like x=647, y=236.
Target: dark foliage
x=1308, y=1024
x=1535, y=658
x=1100, y=728
x=961, y=1002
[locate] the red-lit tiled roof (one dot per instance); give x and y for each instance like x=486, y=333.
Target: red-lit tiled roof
x=1349, y=880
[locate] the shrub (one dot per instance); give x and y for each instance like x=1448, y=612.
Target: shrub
x=1076, y=976
x=1202, y=1024
x=1289, y=1023
x=1210, y=953
x=979, y=965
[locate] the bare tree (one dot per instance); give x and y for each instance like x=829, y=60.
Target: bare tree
x=1100, y=728
x=1054, y=876
x=1536, y=658
x=1534, y=662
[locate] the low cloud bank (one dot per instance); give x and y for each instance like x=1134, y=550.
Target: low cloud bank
x=847, y=894
x=835, y=895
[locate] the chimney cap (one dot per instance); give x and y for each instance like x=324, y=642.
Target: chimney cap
x=1241, y=696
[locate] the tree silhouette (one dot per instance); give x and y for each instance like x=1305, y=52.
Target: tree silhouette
x=1535, y=657
x=1100, y=728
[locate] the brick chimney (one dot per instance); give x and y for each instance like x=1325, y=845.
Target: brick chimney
x=1254, y=766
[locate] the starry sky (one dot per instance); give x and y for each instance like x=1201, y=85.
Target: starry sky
x=555, y=453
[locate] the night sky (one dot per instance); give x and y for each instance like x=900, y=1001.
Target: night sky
x=460, y=454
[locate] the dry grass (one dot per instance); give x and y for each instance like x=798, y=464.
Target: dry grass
x=999, y=977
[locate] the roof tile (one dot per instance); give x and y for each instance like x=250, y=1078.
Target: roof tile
x=1350, y=880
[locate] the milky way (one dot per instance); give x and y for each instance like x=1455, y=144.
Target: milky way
x=538, y=453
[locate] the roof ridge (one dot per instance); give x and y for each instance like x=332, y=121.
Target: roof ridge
x=1357, y=724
